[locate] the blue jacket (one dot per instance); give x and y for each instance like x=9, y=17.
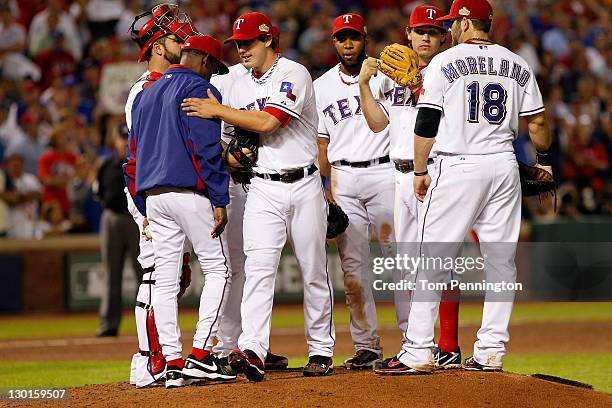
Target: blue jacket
x=176, y=150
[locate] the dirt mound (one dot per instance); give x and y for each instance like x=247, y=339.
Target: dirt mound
x=350, y=389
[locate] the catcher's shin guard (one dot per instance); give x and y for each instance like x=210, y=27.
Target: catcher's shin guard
x=150, y=362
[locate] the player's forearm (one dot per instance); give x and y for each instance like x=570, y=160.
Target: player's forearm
x=372, y=112
x=324, y=166
x=422, y=148
x=255, y=121
x=539, y=132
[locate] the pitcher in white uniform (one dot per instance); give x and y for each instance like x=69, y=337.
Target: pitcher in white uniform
x=285, y=200
x=361, y=181
x=472, y=98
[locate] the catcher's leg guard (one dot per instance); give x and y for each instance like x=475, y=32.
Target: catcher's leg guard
x=150, y=364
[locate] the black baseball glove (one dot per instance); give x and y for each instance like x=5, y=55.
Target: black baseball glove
x=535, y=181
x=241, y=152
x=337, y=221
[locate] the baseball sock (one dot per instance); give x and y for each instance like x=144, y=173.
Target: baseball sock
x=177, y=362
x=449, y=321
x=199, y=353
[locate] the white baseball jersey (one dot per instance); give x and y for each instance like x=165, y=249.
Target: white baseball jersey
x=225, y=85
x=341, y=120
x=488, y=85
x=286, y=86
x=134, y=91
x=399, y=104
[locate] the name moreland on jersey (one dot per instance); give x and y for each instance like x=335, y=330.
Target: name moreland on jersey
x=487, y=84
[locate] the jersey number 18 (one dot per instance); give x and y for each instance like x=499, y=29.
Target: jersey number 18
x=494, y=106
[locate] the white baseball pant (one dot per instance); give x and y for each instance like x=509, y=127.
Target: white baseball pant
x=274, y=212
x=174, y=217
x=366, y=196
x=483, y=192
x=230, y=325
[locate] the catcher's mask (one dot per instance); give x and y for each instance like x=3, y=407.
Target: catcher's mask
x=165, y=20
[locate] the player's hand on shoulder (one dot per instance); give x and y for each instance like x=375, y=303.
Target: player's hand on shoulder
x=421, y=185
x=205, y=108
x=369, y=68
x=220, y=218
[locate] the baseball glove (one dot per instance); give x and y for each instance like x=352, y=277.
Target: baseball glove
x=241, y=152
x=401, y=64
x=337, y=221
x=535, y=181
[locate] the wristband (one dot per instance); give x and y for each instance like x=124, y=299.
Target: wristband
x=544, y=158
x=326, y=180
x=421, y=173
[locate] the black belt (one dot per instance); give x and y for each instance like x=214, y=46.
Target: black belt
x=406, y=166
x=367, y=163
x=149, y=269
x=290, y=176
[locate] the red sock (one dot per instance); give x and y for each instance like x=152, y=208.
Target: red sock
x=176, y=363
x=199, y=353
x=449, y=321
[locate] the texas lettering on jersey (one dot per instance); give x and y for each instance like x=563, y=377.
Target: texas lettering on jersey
x=341, y=109
x=401, y=96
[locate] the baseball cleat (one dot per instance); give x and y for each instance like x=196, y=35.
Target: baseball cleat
x=209, y=367
x=274, y=362
x=470, y=364
x=175, y=378
x=363, y=359
x=318, y=366
x=393, y=366
x=248, y=363
x=446, y=360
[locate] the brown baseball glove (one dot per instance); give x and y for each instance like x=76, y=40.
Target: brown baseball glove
x=401, y=64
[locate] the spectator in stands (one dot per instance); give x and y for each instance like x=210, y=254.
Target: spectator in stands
x=13, y=63
x=27, y=192
x=27, y=143
x=52, y=19
x=55, y=61
x=7, y=198
x=57, y=169
x=52, y=221
x=119, y=236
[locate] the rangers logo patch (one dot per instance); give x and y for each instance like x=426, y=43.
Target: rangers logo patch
x=287, y=88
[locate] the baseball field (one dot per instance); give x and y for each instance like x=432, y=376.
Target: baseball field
x=567, y=340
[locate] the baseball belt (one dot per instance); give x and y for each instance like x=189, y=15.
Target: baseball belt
x=406, y=166
x=289, y=177
x=363, y=164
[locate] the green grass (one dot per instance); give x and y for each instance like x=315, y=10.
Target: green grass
x=12, y=328
x=31, y=374
x=591, y=368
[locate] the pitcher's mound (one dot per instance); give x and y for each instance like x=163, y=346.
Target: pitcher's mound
x=351, y=389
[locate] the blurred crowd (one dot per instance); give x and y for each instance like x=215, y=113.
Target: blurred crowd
x=54, y=133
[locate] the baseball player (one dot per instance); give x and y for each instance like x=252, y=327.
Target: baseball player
x=361, y=180
x=285, y=200
x=230, y=325
x=160, y=40
x=472, y=98
x=186, y=195
x=395, y=106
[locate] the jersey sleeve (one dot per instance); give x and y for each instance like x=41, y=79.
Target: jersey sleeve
x=532, y=99
x=290, y=93
x=321, y=127
x=431, y=94
x=205, y=135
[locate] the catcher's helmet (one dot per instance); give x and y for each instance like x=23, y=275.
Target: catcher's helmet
x=165, y=20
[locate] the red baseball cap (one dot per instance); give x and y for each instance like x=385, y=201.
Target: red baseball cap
x=426, y=16
x=251, y=25
x=472, y=9
x=208, y=45
x=147, y=35
x=350, y=21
